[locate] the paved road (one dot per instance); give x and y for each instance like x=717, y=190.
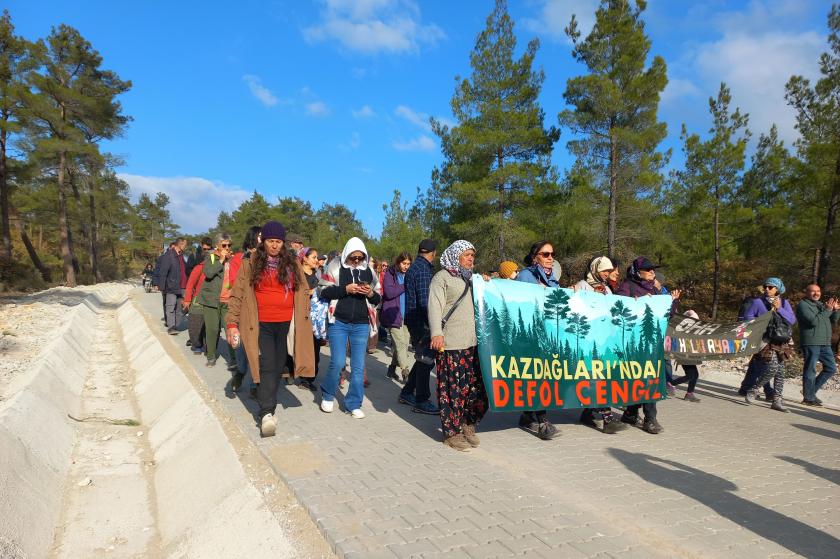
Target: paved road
x=722, y=480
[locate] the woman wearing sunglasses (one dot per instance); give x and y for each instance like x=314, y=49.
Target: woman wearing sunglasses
x=352, y=292
x=215, y=295
x=539, y=270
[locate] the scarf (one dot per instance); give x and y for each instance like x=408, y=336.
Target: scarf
x=598, y=265
x=450, y=256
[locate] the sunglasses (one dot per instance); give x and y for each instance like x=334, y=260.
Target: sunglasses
x=356, y=258
x=769, y=287
x=546, y=254
x=225, y=245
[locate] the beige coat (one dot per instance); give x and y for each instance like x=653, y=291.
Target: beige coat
x=242, y=311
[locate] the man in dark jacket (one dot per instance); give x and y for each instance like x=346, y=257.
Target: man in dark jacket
x=416, y=392
x=173, y=281
x=197, y=257
x=156, y=279
x=815, y=319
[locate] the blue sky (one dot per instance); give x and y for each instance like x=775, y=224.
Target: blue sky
x=328, y=100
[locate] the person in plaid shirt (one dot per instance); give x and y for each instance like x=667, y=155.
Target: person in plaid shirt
x=416, y=392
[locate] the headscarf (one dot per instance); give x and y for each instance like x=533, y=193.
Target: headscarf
x=354, y=244
x=598, y=265
x=777, y=283
x=450, y=256
x=301, y=254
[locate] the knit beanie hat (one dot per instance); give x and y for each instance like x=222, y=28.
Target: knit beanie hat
x=273, y=230
x=507, y=269
x=777, y=283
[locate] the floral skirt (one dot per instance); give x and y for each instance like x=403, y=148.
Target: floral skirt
x=461, y=393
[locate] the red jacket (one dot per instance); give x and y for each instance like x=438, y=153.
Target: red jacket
x=194, y=283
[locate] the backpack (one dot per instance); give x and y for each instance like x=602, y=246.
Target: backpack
x=779, y=331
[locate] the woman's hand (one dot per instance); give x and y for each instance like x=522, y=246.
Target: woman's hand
x=185, y=305
x=231, y=332
x=777, y=303
x=354, y=289
x=437, y=343
x=675, y=294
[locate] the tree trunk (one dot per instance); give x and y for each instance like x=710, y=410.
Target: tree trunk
x=94, y=226
x=5, y=230
x=830, y=221
x=716, y=273
x=611, y=218
x=45, y=272
x=63, y=227
x=500, y=159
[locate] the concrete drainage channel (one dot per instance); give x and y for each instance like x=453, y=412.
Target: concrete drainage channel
x=143, y=468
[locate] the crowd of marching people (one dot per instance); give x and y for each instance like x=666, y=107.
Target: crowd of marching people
x=279, y=302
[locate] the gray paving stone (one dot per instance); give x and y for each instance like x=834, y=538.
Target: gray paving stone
x=741, y=486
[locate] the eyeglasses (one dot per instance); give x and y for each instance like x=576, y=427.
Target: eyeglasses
x=355, y=258
x=225, y=245
x=546, y=254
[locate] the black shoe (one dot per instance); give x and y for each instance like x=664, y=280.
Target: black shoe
x=541, y=429
x=392, y=372
x=306, y=384
x=189, y=343
x=172, y=331
x=652, y=426
x=630, y=419
x=236, y=382
x=812, y=403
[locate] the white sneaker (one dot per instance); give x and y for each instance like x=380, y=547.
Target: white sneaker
x=268, y=426
x=327, y=406
x=357, y=414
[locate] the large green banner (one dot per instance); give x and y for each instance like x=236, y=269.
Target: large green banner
x=552, y=348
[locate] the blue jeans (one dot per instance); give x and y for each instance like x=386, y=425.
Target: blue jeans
x=338, y=333
x=810, y=381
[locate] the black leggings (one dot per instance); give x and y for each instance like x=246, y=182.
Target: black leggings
x=691, y=376
x=273, y=353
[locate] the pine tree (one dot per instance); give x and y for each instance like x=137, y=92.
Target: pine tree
x=818, y=121
x=709, y=183
x=73, y=98
x=595, y=355
x=15, y=66
x=497, y=157
x=647, y=338
x=402, y=230
x=578, y=326
x=556, y=308
x=614, y=109
x=624, y=318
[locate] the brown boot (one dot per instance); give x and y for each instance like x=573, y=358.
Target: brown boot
x=458, y=442
x=470, y=436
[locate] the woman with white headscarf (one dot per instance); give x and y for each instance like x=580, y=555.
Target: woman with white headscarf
x=463, y=400
x=351, y=289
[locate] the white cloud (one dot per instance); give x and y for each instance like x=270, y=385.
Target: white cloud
x=757, y=52
x=194, y=202
x=555, y=15
x=317, y=109
x=678, y=89
x=418, y=119
x=258, y=90
x=420, y=143
x=372, y=26
x=364, y=112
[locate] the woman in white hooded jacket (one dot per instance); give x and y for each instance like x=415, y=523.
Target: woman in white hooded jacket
x=351, y=289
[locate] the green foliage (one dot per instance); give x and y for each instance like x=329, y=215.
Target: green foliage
x=497, y=158
x=402, y=229
x=614, y=114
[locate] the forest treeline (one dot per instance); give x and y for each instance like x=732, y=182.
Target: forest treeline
x=719, y=223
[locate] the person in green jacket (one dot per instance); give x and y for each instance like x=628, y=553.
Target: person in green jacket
x=215, y=294
x=815, y=319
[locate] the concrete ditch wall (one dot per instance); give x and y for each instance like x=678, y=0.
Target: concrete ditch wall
x=37, y=437
x=206, y=505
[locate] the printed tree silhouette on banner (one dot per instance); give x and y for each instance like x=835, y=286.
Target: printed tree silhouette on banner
x=647, y=338
x=556, y=308
x=624, y=318
x=579, y=327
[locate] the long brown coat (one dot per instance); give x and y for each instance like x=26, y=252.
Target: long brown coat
x=242, y=311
